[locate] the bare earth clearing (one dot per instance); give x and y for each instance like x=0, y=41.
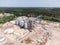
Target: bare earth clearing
x=45, y=33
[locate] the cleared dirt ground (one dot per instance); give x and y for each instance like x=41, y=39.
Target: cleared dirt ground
x=45, y=33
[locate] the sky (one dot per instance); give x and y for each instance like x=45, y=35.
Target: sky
x=29, y=3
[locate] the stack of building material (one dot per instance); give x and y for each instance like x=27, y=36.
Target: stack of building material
x=23, y=22
x=27, y=23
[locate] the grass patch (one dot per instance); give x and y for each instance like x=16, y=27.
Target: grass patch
x=51, y=18
x=6, y=19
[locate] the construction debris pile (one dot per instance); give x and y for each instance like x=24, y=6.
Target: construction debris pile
x=42, y=33
x=27, y=23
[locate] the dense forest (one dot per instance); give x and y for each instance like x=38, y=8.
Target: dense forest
x=52, y=14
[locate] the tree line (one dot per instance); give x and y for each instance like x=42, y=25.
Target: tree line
x=52, y=14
